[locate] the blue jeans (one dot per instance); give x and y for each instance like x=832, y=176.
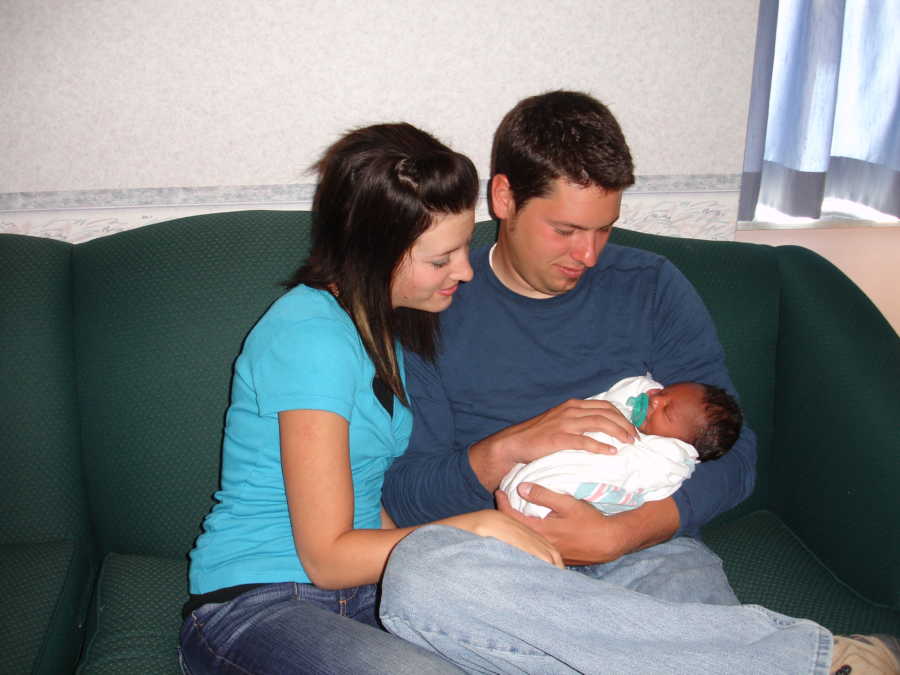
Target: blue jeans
x=490, y=608
x=298, y=628
x=680, y=570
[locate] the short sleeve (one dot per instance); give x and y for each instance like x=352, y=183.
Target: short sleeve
x=312, y=364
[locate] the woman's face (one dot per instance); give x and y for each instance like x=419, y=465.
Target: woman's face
x=439, y=259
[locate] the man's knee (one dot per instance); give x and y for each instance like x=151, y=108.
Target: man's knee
x=680, y=570
x=423, y=558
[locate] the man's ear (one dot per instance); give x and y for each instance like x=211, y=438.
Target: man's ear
x=502, y=202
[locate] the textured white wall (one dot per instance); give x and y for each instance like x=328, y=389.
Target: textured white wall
x=173, y=93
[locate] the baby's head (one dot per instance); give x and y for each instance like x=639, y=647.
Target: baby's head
x=705, y=416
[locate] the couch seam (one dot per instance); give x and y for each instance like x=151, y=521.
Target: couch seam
x=56, y=607
x=98, y=594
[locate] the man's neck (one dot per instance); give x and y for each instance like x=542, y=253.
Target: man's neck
x=502, y=269
x=506, y=274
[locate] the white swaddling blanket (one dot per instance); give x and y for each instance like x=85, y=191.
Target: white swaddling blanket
x=651, y=468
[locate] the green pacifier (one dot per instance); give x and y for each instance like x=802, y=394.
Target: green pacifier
x=639, y=405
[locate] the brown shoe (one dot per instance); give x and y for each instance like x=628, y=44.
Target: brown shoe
x=865, y=655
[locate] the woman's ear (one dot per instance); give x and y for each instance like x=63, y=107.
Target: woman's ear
x=503, y=203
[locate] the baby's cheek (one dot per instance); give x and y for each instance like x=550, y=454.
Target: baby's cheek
x=654, y=424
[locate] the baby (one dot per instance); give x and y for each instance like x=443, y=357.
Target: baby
x=678, y=425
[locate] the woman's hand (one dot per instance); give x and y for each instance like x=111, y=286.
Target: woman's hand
x=491, y=523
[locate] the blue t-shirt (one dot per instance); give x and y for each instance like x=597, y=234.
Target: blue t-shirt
x=304, y=353
x=505, y=358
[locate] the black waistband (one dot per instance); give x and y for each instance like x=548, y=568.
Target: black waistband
x=220, y=595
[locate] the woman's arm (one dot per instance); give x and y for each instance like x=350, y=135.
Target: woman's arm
x=315, y=460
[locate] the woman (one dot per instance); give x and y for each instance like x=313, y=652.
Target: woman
x=297, y=539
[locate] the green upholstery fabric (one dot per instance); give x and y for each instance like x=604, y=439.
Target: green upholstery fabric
x=768, y=565
x=838, y=472
x=136, y=616
x=161, y=313
x=45, y=588
x=39, y=443
x=116, y=361
x=45, y=552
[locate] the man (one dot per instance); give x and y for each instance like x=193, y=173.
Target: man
x=555, y=314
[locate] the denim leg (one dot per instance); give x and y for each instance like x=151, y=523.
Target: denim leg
x=274, y=629
x=491, y=608
x=680, y=570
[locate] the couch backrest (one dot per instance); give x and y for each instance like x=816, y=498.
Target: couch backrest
x=161, y=312
x=837, y=415
x=42, y=498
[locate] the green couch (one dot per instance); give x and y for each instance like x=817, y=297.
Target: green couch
x=115, y=367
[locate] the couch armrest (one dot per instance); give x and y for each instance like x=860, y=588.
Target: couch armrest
x=835, y=469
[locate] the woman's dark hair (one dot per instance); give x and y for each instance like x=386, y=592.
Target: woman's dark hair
x=560, y=134
x=723, y=423
x=379, y=188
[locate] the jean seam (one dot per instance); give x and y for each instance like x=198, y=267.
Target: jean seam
x=185, y=668
x=198, y=622
x=464, y=640
x=209, y=650
x=345, y=597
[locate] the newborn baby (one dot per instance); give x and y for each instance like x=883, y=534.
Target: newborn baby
x=678, y=426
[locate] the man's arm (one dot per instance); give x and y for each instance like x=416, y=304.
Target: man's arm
x=717, y=486
x=584, y=535
x=686, y=347
x=433, y=478
x=560, y=428
x=436, y=478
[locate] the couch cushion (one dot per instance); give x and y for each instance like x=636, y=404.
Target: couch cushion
x=136, y=616
x=44, y=587
x=768, y=565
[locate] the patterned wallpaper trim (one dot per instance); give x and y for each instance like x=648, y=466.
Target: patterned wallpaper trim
x=702, y=206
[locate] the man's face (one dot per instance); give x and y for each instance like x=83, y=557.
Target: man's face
x=676, y=411
x=546, y=245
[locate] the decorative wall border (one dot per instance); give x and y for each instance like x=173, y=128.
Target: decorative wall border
x=701, y=206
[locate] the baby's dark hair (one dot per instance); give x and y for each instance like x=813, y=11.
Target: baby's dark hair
x=723, y=423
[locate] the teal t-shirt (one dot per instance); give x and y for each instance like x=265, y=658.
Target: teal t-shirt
x=304, y=353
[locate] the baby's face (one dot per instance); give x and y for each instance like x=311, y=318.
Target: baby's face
x=676, y=412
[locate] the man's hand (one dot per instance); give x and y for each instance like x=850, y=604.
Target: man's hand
x=560, y=428
x=584, y=535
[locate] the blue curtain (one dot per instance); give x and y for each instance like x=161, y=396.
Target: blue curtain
x=825, y=107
